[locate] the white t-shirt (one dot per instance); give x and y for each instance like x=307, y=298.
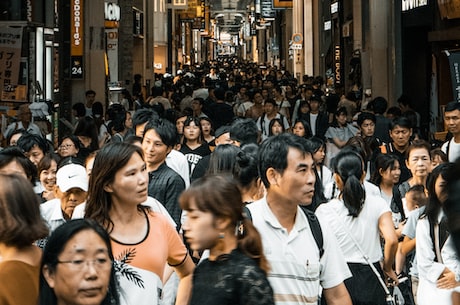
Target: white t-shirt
x=178, y=163
x=454, y=150
x=296, y=269
x=370, y=188
x=313, y=118
x=365, y=228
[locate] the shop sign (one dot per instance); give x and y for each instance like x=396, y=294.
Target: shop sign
x=10, y=61
x=76, y=67
x=112, y=53
x=337, y=65
x=408, y=5
x=454, y=65
x=76, y=28
x=266, y=9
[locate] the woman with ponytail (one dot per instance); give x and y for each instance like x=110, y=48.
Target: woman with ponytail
x=235, y=271
x=359, y=218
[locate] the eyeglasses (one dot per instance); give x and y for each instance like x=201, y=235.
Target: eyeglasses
x=67, y=146
x=80, y=264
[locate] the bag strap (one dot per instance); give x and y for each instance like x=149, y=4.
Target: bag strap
x=364, y=255
x=315, y=228
x=448, y=148
x=313, y=221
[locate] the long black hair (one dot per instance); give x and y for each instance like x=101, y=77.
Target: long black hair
x=348, y=166
x=434, y=205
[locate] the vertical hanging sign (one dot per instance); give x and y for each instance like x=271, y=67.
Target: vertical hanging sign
x=10, y=61
x=454, y=63
x=337, y=65
x=76, y=39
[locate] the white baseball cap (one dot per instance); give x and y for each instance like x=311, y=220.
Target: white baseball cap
x=70, y=176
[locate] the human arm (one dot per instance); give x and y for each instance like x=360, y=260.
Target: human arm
x=339, y=143
x=391, y=244
x=407, y=245
x=185, y=273
x=337, y=295
x=427, y=267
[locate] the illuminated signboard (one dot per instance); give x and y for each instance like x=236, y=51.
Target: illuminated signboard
x=76, y=38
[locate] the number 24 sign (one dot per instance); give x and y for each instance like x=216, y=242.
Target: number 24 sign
x=76, y=67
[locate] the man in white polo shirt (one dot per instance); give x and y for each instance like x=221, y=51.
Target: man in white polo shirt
x=298, y=268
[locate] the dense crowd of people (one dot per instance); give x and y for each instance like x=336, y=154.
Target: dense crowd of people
x=231, y=185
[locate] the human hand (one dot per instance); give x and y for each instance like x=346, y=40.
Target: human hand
x=447, y=280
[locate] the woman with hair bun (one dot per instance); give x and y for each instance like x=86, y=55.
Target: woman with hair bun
x=235, y=271
x=246, y=173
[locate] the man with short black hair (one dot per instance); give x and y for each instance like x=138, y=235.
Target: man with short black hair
x=452, y=120
x=317, y=120
x=90, y=96
x=175, y=159
x=298, y=265
x=366, y=124
x=400, y=133
x=165, y=185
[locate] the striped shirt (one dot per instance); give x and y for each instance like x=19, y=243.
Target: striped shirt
x=297, y=272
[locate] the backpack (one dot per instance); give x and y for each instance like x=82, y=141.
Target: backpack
x=312, y=221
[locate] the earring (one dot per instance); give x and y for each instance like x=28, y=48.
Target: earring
x=221, y=235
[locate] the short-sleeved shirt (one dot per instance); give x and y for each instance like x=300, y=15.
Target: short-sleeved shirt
x=195, y=155
x=140, y=266
x=365, y=227
x=297, y=271
x=454, y=150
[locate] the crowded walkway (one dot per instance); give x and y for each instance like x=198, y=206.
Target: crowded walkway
x=231, y=184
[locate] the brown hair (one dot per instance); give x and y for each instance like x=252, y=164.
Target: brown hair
x=220, y=195
x=109, y=160
x=21, y=223
x=46, y=162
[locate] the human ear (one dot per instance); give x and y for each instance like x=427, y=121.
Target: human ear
x=272, y=176
x=49, y=276
x=108, y=188
x=338, y=181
